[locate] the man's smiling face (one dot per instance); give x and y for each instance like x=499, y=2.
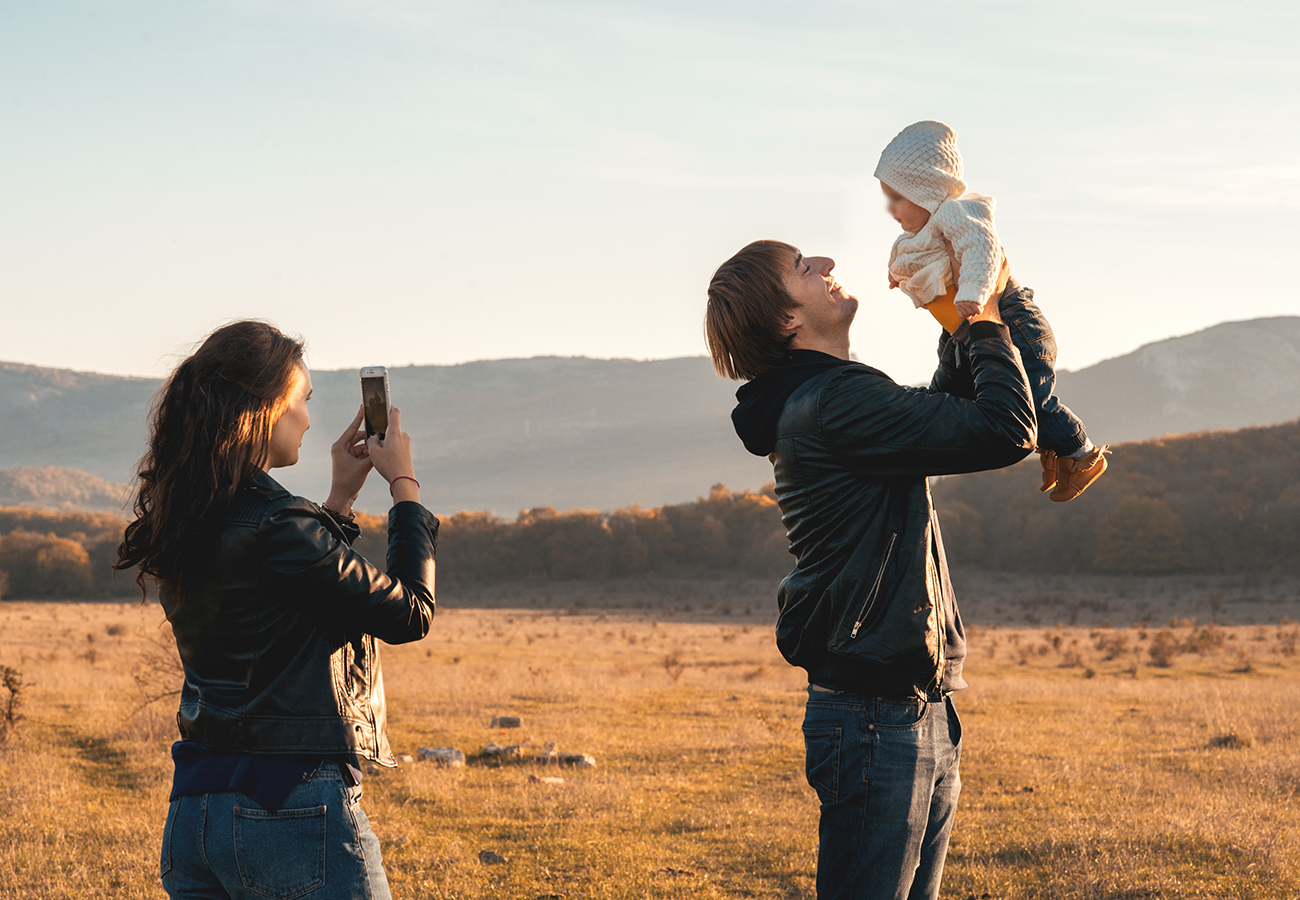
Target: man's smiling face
x=823, y=308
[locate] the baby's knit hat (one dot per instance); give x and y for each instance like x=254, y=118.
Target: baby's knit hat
x=923, y=164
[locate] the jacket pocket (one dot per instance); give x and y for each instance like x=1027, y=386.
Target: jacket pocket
x=864, y=613
x=281, y=854
x=880, y=617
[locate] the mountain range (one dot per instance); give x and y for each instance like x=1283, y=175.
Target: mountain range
x=509, y=434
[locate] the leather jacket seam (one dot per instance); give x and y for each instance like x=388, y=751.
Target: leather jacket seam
x=824, y=432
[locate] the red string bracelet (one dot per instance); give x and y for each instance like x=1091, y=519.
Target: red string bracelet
x=399, y=478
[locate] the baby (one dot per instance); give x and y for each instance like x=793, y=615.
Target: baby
x=921, y=175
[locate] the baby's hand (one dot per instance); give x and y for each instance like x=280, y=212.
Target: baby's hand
x=892, y=283
x=967, y=308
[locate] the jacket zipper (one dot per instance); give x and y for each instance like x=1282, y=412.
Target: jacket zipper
x=875, y=587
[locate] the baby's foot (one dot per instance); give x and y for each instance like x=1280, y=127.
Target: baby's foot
x=1074, y=475
x=1048, y=459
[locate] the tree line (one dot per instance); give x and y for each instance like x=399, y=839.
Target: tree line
x=723, y=534
x=59, y=555
x=1219, y=502
x=1209, y=503
x=45, y=554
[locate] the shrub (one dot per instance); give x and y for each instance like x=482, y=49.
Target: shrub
x=1203, y=641
x=1112, y=645
x=12, y=680
x=1164, y=648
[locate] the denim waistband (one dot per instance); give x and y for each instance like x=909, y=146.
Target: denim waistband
x=932, y=695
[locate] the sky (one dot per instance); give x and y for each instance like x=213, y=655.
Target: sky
x=435, y=182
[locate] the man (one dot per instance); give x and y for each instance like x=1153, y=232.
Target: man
x=868, y=610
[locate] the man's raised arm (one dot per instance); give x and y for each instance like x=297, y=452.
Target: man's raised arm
x=880, y=429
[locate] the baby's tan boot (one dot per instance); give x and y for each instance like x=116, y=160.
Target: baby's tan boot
x=1074, y=475
x=1048, y=459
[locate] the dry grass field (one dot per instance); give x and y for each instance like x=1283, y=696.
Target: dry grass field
x=1090, y=771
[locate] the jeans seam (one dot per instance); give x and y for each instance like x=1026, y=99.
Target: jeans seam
x=203, y=832
x=356, y=831
x=168, y=827
x=868, y=751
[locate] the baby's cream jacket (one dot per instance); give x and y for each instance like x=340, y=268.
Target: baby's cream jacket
x=919, y=263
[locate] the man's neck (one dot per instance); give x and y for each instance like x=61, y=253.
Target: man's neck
x=837, y=347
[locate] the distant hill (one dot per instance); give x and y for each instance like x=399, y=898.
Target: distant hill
x=56, y=487
x=1233, y=375
x=55, y=417
x=508, y=434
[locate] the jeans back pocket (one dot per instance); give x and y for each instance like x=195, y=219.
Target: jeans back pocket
x=281, y=854
x=822, y=765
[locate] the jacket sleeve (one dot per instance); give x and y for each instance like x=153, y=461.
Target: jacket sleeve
x=953, y=375
x=968, y=223
x=320, y=567
x=879, y=429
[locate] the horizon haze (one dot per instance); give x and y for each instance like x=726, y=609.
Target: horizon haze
x=504, y=435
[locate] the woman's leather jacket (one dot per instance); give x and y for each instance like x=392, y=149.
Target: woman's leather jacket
x=276, y=626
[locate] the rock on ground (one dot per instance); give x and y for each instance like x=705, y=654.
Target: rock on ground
x=513, y=751
x=447, y=757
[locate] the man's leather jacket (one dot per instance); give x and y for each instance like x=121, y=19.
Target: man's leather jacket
x=276, y=628
x=869, y=606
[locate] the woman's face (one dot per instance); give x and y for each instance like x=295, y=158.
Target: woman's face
x=286, y=434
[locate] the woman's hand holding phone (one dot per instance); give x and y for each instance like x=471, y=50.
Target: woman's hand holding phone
x=392, y=459
x=350, y=464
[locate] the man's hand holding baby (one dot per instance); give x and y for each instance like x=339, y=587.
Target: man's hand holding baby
x=969, y=309
x=991, y=311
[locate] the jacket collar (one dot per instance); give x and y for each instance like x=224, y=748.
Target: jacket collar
x=263, y=483
x=762, y=400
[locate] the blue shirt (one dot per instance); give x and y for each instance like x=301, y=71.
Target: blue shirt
x=266, y=780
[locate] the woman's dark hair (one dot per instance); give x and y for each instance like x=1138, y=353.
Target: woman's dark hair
x=747, y=309
x=210, y=429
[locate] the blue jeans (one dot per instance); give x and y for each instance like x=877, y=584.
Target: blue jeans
x=1059, y=429
x=319, y=846
x=886, y=774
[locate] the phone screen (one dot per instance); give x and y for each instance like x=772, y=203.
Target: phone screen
x=374, y=399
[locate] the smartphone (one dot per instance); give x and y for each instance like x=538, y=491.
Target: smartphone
x=375, y=400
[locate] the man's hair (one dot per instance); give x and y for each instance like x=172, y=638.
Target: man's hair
x=747, y=309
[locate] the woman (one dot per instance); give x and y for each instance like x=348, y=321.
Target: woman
x=275, y=618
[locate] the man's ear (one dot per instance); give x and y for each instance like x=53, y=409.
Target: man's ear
x=793, y=323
